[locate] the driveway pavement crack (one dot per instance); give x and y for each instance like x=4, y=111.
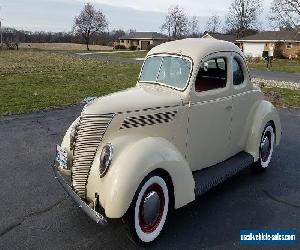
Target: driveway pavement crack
x=279, y=200
x=21, y=220
x=49, y=131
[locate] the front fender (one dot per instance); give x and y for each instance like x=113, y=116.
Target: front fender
x=133, y=162
x=66, y=140
x=65, y=144
x=263, y=113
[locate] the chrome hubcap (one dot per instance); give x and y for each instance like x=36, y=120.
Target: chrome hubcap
x=151, y=208
x=151, y=205
x=265, y=147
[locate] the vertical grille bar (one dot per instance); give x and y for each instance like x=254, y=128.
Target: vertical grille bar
x=89, y=134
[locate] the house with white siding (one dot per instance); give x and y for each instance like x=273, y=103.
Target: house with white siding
x=142, y=40
x=254, y=45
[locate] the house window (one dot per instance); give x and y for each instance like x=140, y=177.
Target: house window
x=122, y=41
x=289, y=45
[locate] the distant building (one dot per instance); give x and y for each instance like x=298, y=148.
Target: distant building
x=253, y=46
x=142, y=40
x=219, y=36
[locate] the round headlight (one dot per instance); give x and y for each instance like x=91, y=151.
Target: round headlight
x=105, y=159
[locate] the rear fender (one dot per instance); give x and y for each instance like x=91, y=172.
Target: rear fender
x=264, y=112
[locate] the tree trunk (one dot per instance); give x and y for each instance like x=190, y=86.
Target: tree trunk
x=87, y=40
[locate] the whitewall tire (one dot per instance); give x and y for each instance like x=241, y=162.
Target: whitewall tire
x=266, y=147
x=149, y=209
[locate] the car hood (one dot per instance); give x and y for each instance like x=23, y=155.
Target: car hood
x=137, y=98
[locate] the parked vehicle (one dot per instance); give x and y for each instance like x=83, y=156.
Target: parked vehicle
x=193, y=120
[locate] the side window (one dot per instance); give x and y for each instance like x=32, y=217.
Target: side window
x=212, y=75
x=238, y=76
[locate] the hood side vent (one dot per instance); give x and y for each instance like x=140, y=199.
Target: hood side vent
x=147, y=120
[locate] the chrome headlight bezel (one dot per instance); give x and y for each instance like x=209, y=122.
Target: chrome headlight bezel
x=105, y=159
x=72, y=136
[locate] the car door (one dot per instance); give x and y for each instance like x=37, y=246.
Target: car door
x=243, y=100
x=210, y=113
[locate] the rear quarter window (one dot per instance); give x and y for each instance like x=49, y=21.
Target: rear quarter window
x=237, y=72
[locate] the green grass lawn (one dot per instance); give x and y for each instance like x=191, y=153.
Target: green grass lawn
x=36, y=80
x=282, y=97
x=280, y=65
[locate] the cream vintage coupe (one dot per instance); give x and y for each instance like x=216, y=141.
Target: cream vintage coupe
x=193, y=120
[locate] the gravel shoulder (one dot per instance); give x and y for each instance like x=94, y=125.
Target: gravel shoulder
x=277, y=76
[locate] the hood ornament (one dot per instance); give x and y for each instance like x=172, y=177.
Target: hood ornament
x=88, y=99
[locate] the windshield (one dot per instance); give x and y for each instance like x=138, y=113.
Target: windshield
x=167, y=70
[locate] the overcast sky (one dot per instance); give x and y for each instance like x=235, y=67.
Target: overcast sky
x=142, y=15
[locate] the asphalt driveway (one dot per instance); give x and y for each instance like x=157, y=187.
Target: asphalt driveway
x=35, y=212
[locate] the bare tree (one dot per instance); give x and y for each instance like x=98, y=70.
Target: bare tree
x=213, y=24
x=89, y=22
x=132, y=30
x=243, y=16
x=285, y=14
x=176, y=22
x=193, y=26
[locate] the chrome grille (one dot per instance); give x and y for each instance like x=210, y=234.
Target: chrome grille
x=88, y=136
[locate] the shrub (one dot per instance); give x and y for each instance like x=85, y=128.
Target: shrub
x=151, y=46
x=132, y=47
x=11, y=46
x=298, y=55
x=278, y=50
x=253, y=60
x=119, y=46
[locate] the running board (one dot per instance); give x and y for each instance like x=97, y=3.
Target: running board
x=212, y=176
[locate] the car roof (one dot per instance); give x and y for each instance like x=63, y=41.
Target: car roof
x=195, y=48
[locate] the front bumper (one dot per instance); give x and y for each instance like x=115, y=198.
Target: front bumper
x=94, y=215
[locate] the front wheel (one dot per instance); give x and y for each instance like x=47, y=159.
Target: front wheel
x=149, y=209
x=266, y=147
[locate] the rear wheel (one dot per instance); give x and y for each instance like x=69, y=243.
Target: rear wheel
x=149, y=209
x=266, y=147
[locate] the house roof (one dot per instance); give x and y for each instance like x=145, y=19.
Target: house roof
x=219, y=36
x=195, y=48
x=273, y=36
x=144, y=35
